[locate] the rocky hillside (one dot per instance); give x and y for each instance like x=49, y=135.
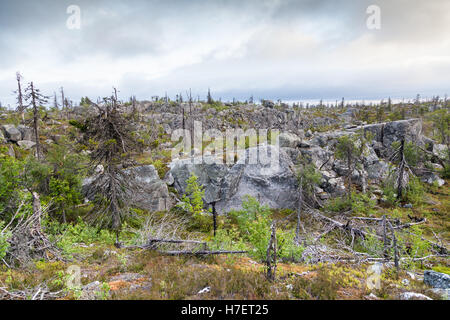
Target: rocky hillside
x=341, y=187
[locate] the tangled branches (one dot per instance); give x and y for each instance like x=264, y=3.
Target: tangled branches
x=28, y=240
x=381, y=239
x=39, y=293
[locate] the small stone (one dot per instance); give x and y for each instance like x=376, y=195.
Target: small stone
x=205, y=290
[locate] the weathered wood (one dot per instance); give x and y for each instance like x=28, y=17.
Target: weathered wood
x=176, y=253
x=347, y=226
x=271, y=258
x=175, y=241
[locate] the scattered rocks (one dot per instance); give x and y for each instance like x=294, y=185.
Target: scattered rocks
x=413, y=296
x=434, y=178
x=91, y=291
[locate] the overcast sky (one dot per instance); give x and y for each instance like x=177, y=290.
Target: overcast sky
x=296, y=49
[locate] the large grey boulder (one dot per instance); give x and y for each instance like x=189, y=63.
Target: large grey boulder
x=440, y=150
x=209, y=174
x=26, y=144
x=321, y=158
x=11, y=132
x=377, y=170
x=26, y=132
x=270, y=179
x=294, y=154
x=272, y=183
x=436, y=279
x=149, y=191
x=389, y=132
x=289, y=140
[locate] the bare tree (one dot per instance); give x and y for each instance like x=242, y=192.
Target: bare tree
x=63, y=100
x=35, y=99
x=55, y=101
x=20, y=106
x=209, y=97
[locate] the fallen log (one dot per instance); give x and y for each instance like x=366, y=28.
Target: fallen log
x=176, y=253
x=151, y=246
x=338, y=224
x=152, y=242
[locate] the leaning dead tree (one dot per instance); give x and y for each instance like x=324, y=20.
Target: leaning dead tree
x=28, y=240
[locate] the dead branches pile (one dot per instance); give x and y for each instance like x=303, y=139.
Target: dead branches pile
x=165, y=234
x=28, y=240
x=366, y=229
x=39, y=293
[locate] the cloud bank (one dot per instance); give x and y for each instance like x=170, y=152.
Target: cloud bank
x=295, y=49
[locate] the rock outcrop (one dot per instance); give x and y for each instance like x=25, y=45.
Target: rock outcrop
x=271, y=179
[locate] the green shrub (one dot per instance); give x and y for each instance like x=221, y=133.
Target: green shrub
x=4, y=244
x=338, y=204
x=67, y=234
x=362, y=204
x=414, y=191
x=254, y=225
x=10, y=170
x=192, y=200
x=228, y=239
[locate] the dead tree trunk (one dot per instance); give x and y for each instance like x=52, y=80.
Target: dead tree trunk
x=63, y=101
x=349, y=174
x=385, y=242
x=214, y=213
x=394, y=242
x=401, y=170
x=271, y=257
x=20, y=107
x=35, y=121
x=299, y=212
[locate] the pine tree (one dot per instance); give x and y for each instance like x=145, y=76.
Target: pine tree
x=113, y=142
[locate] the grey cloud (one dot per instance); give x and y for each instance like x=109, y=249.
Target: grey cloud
x=283, y=48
